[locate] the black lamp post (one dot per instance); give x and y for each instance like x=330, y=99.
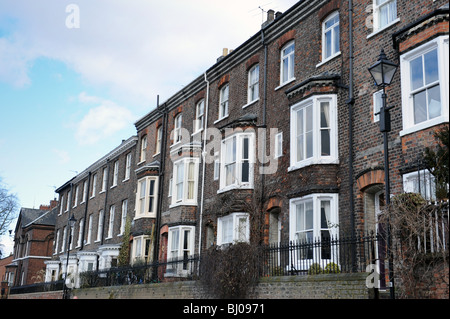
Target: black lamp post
x=71, y=222
x=383, y=72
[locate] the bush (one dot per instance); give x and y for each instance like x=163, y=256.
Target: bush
x=332, y=268
x=314, y=269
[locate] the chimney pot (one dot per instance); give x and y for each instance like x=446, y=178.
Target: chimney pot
x=270, y=15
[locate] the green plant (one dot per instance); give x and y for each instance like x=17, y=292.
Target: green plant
x=332, y=268
x=314, y=269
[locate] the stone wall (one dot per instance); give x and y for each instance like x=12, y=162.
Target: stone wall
x=340, y=286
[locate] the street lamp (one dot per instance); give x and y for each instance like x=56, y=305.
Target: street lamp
x=383, y=72
x=71, y=223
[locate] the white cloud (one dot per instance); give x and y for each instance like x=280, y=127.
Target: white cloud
x=137, y=48
x=101, y=121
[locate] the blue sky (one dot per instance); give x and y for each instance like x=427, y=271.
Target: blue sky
x=70, y=95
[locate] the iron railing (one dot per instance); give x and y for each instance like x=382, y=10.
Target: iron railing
x=39, y=287
x=141, y=273
x=322, y=256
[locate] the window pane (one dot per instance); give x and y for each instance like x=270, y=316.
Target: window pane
x=242, y=229
x=309, y=213
x=434, y=102
x=328, y=44
x=300, y=218
x=285, y=69
x=420, y=107
x=431, y=67
x=336, y=39
x=325, y=131
x=416, y=73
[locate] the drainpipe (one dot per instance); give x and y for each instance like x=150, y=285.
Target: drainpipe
x=203, y=167
x=86, y=210
x=160, y=183
x=264, y=123
x=106, y=200
x=350, y=103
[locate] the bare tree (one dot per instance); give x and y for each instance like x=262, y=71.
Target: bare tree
x=8, y=208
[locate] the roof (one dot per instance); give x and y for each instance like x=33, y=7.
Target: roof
x=31, y=216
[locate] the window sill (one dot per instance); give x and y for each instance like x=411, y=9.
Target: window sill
x=153, y=215
x=183, y=204
x=312, y=162
x=221, y=119
x=423, y=125
x=232, y=187
x=374, y=33
x=284, y=84
x=328, y=59
x=250, y=103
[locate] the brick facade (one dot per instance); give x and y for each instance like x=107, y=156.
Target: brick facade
x=192, y=210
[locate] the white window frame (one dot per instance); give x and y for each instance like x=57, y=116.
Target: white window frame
x=253, y=84
x=230, y=223
x=334, y=37
x=115, y=174
x=61, y=204
x=427, y=184
x=199, y=116
x=123, y=218
x=238, y=161
x=288, y=58
x=112, y=212
x=127, y=166
x=377, y=14
x=68, y=201
x=143, y=197
x=89, y=235
x=75, y=203
x=178, y=124
x=139, y=248
x=80, y=232
x=224, y=101
x=441, y=44
x=94, y=186
x=278, y=152
x=216, y=166
x=85, y=191
x=377, y=104
x=158, y=140
x=143, y=155
x=104, y=179
x=178, y=249
x=332, y=225
x=100, y=226
x=181, y=183
x=317, y=158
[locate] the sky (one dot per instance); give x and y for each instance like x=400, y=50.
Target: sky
x=76, y=75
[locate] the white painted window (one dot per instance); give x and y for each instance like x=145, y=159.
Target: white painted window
x=233, y=228
x=420, y=182
x=89, y=235
x=94, y=185
x=253, y=84
x=199, y=116
x=105, y=179
x=185, y=181
x=146, y=197
x=314, y=218
x=123, y=219
x=278, y=145
x=115, y=174
x=77, y=190
x=143, y=148
x=223, y=106
x=237, y=161
x=127, y=166
x=425, y=85
x=177, y=128
x=287, y=63
x=158, y=140
x=384, y=13
x=112, y=212
x=80, y=232
x=100, y=226
x=330, y=37
x=314, y=132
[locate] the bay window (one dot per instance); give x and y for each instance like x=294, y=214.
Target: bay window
x=185, y=181
x=180, y=247
x=314, y=132
x=146, y=197
x=232, y=228
x=236, y=166
x=424, y=76
x=314, y=218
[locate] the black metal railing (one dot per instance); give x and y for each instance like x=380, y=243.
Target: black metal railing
x=322, y=256
x=142, y=273
x=39, y=287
